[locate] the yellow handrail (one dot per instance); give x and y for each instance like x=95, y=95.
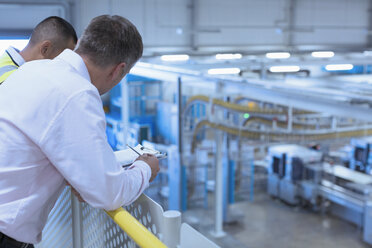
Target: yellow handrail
x=138, y=232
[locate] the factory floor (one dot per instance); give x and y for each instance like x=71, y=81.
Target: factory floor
x=270, y=223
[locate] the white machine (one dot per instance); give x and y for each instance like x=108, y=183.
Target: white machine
x=288, y=166
x=297, y=174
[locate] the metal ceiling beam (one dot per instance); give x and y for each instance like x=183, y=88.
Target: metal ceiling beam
x=291, y=21
x=262, y=63
x=369, y=35
x=193, y=31
x=252, y=49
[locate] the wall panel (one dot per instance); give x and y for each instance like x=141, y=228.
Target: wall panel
x=172, y=24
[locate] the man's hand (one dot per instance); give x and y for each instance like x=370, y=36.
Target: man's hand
x=153, y=162
x=75, y=192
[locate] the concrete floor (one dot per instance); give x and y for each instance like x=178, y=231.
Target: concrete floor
x=271, y=223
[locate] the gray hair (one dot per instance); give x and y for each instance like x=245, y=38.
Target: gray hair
x=110, y=40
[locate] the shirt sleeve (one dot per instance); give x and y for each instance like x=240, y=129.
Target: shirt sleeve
x=75, y=143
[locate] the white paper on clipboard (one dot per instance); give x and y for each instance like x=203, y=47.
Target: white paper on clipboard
x=127, y=157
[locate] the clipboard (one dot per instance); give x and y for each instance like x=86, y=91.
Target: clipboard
x=128, y=156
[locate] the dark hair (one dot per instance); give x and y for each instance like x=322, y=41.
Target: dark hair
x=111, y=40
x=56, y=29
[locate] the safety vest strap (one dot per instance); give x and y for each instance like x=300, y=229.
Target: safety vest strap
x=6, y=71
x=7, y=68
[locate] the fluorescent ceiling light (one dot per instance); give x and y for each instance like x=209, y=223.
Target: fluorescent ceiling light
x=281, y=55
x=323, y=54
x=367, y=53
x=228, y=56
x=224, y=71
x=285, y=68
x=339, y=67
x=17, y=43
x=175, y=57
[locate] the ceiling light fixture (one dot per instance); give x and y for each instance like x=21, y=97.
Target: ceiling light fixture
x=175, y=57
x=284, y=68
x=218, y=71
x=17, y=43
x=367, y=53
x=323, y=54
x=228, y=56
x=339, y=67
x=281, y=55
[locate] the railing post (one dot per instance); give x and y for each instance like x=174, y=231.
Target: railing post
x=218, y=229
x=172, y=228
x=181, y=188
x=77, y=222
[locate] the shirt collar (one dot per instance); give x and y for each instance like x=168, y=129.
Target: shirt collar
x=15, y=56
x=76, y=61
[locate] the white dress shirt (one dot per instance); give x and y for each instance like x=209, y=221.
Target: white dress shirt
x=52, y=129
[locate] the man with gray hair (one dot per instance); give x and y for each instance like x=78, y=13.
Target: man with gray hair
x=52, y=131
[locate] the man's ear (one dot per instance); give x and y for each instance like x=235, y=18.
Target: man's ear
x=46, y=49
x=119, y=70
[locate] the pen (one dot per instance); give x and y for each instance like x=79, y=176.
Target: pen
x=133, y=150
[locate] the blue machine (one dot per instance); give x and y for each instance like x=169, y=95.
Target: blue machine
x=143, y=95
x=166, y=122
x=360, y=155
x=153, y=121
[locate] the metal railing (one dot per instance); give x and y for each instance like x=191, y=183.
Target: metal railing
x=142, y=224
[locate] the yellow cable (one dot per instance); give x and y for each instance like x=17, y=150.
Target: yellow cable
x=138, y=232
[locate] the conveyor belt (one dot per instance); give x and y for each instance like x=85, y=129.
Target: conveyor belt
x=238, y=107
x=281, y=124
x=347, y=174
x=275, y=135
x=342, y=198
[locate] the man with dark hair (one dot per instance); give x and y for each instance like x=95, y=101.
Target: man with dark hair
x=53, y=131
x=49, y=38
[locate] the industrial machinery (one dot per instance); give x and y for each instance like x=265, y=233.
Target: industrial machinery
x=191, y=107
x=360, y=155
x=288, y=166
x=298, y=174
